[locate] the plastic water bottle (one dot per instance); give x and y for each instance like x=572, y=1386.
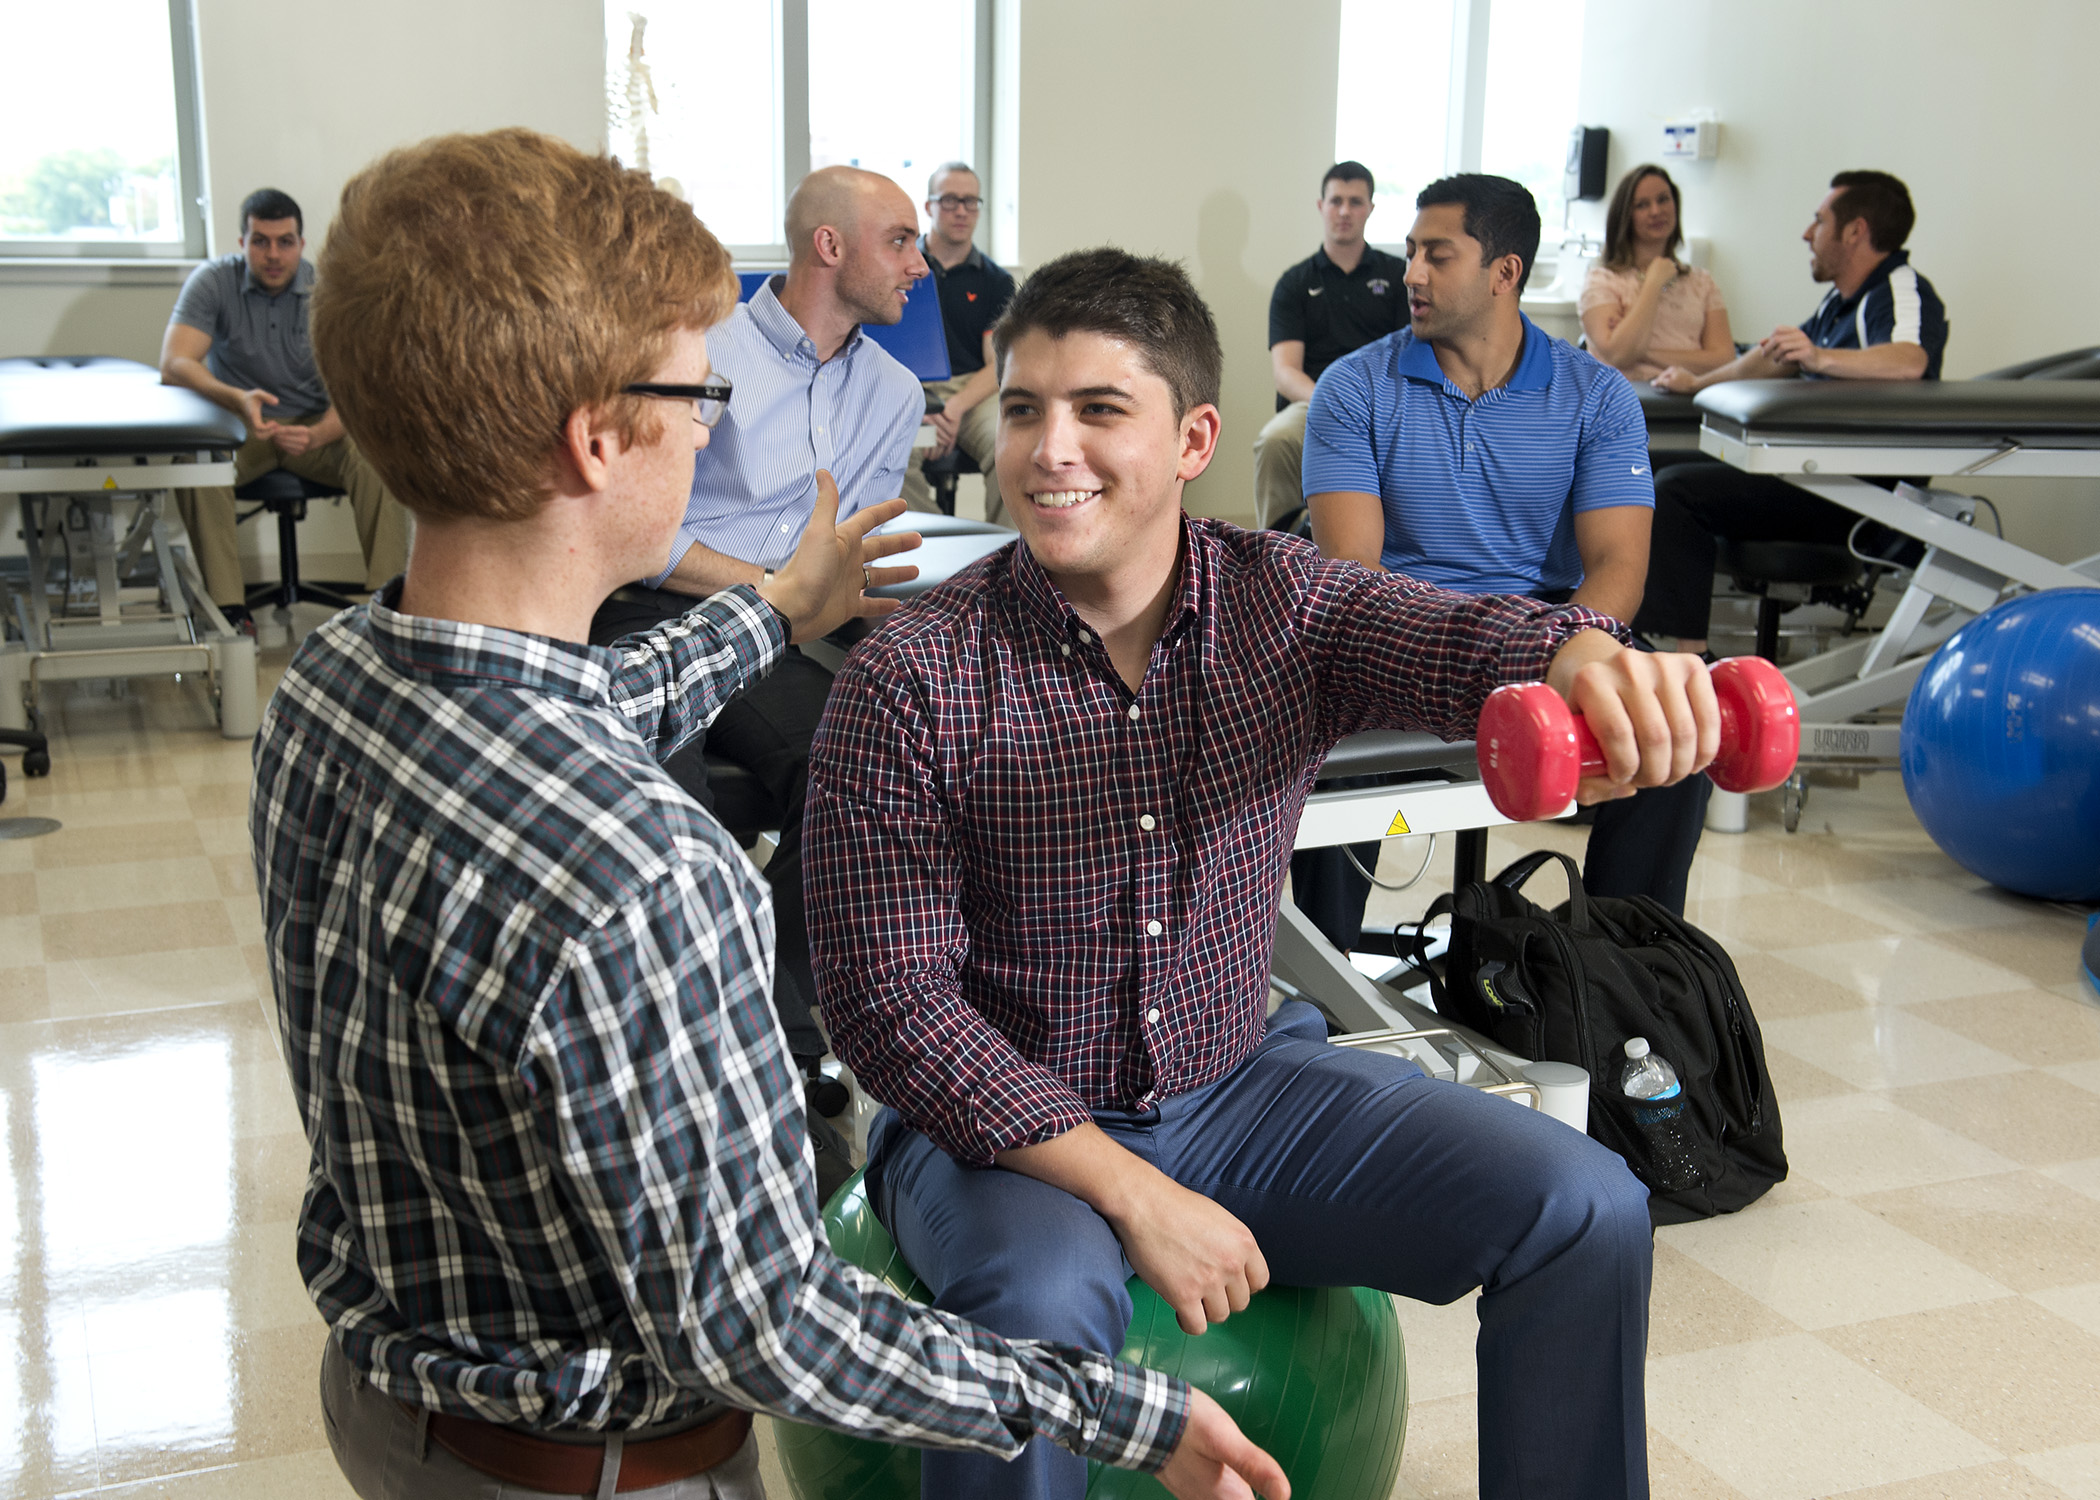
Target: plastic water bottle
x=1659, y=1112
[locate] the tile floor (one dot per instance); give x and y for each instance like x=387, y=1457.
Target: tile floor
x=1916, y=1313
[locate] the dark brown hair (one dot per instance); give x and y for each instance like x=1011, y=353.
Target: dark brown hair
x=1499, y=213
x=1146, y=302
x=1879, y=198
x=1618, y=218
x=477, y=289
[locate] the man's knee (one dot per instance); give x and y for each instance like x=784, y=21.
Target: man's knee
x=1595, y=1211
x=1282, y=437
x=1042, y=1289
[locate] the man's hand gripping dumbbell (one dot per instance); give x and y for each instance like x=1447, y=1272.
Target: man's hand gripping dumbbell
x=1537, y=753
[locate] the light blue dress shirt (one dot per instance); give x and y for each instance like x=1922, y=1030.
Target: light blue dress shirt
x=755, y=483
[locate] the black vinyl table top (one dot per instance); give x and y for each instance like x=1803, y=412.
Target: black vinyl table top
x=2034, y=413
x=104, y=407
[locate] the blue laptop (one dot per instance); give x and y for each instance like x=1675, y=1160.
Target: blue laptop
x=918, y=341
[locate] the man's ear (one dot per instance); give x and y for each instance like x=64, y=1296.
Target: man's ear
x=1199, y=440
x=1508, y=269
x=583, y=458
x=829, y=244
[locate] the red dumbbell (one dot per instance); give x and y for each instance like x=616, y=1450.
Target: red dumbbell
x=1533, y=748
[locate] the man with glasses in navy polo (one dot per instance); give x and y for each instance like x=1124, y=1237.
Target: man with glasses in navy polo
x=813, y=392
x=1473, y=451
x=974, y=289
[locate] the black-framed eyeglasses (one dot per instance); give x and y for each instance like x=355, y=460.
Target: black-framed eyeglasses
x=953, y=201
x=710, y=401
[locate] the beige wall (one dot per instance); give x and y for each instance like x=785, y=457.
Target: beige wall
x=1978, y=109
x=1196, y=132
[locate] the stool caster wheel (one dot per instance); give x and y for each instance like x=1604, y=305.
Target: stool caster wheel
x=827, y=1096
x=34, y=763
x=1793, y=799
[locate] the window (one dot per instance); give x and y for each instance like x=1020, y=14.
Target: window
x=895, y=86
x=104, y=162
x=1431, y=87
x=1534, y=65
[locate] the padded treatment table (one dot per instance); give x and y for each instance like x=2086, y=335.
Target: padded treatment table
x=1426, y=787
x=1673, y=423
x=1824, y=435
x=94, y=448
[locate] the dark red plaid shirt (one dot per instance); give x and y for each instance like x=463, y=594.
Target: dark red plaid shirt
x=1033, y=892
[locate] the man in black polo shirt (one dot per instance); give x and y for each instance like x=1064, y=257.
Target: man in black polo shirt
x=1345, y=295
x=1880, y=320
x=973, y=291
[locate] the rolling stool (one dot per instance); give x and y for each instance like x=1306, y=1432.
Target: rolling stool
x=284, y=494
x=1825, y=573
x=743, y=806
x=941, y=474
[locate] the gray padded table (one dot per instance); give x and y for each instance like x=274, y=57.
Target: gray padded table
x=1824, y=435
x=84, y=436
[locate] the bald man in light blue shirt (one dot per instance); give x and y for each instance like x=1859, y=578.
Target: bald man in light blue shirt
x=809, y=391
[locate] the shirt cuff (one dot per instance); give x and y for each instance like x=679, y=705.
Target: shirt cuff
x=1130, y=1417
x=1562, y=626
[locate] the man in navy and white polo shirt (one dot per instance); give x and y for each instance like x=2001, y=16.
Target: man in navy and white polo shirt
x=1880, y=320
x=1472, y=450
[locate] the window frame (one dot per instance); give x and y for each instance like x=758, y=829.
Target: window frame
x=794, y=118
x=1465, y=130
x=192, y=190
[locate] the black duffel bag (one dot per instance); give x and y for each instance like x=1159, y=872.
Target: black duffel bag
x=1575, y=983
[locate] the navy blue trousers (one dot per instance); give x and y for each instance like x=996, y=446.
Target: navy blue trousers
x=1352, y=1169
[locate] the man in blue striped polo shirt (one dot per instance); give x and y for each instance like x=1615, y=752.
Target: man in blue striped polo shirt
x=1473, y=450
x=812, y=392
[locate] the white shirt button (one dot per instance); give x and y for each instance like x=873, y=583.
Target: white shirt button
x=1085, y=639
x=1152, y=1016
x=1147, y=822
x=1154, y=929
x=1133, y=710
x=1064, y=648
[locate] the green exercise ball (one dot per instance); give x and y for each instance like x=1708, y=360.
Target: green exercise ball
x=1316, y=1375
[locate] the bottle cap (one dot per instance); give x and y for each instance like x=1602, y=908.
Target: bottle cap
x=1637, y=1047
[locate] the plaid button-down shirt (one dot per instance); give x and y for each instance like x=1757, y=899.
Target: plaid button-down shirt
x=560, y=1177
x=1033, y=892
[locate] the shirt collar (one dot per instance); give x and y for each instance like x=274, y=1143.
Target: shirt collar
x=454, y=652
x=302, y=279
x=780, y=329
x=974, y=260
x=1879, y=274
x=1046, y=606
x=1534, y=372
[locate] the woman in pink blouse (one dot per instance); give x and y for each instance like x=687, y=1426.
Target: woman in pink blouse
x=1643, y=310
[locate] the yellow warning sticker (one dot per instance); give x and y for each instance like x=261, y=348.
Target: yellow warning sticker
x=110, y=483
x=1399, y=826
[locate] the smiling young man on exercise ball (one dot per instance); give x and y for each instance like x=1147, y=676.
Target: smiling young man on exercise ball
x=1051, y=807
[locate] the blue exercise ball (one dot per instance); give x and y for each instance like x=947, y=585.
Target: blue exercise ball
x=2001, y=745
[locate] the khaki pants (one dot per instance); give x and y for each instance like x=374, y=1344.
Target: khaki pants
x=978, y=437
x=208, y=514
x=383, y=1456
x=1279, y=455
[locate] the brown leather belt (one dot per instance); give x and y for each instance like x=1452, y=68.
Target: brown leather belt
x=573, y=1468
